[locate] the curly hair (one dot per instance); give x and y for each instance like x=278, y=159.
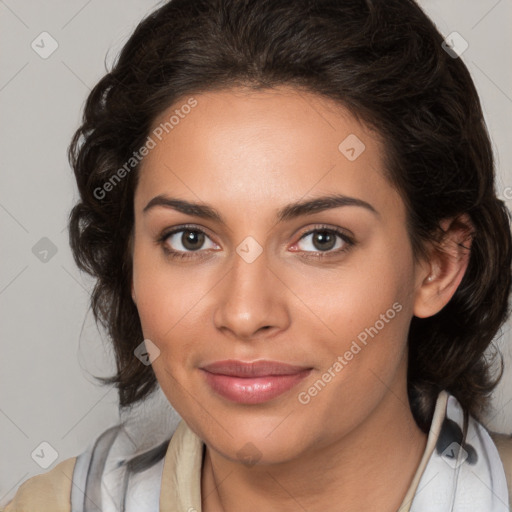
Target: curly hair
x=385, y=63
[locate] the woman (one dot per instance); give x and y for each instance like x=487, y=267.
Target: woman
x=289, y=208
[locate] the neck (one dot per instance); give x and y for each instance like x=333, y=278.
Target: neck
x=370, y=468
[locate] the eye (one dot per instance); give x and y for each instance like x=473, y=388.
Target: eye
x=189, y=242
x=184, y=241
x=325, y=240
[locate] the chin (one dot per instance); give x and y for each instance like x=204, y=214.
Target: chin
x=260, y=438
x=260, y=450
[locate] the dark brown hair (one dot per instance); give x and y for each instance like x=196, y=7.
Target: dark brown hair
x=384, y=61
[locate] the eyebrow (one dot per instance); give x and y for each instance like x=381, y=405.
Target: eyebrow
x=288, y=212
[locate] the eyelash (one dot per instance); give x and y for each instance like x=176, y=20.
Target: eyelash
x=348, y=242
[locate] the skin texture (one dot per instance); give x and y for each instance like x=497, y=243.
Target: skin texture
x=248, y=154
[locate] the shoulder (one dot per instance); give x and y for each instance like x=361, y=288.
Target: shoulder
x=48, y=492
x=504, y=444
x=112, y=467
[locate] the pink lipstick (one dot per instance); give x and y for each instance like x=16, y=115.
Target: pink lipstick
x=252, y=383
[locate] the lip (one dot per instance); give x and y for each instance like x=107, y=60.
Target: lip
x=252, y=382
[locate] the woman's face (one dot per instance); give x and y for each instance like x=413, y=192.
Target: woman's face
x=329, y=289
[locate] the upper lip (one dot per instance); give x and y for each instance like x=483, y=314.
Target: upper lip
x=234, y=368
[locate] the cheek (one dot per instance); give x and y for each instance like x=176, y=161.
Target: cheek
x=153, y=291
x=168, y=298
x=367, y=307
x=162, y=302
x=339, y=304
x=353, y=296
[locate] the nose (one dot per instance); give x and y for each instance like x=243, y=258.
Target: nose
x=252, y=300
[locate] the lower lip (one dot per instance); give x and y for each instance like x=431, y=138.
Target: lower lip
x=254, y=390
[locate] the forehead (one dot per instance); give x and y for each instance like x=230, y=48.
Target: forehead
x=259, y=147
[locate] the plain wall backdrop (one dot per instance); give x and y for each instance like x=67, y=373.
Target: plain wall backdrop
x=50, y=347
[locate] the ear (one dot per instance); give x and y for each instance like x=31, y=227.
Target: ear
x=439, y=277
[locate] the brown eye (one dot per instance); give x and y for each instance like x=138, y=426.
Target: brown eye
x=192, y=240
x=324, y=240
x=185, y=240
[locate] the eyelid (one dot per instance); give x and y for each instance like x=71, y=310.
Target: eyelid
x=182, y=227
x=348, y=241
x=166, y=233
x=346, y=236
x=344, y=233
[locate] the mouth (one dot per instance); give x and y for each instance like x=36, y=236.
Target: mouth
x=252, y=382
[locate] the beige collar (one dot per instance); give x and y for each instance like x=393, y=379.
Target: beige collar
x=433, y=436
x=181, y=477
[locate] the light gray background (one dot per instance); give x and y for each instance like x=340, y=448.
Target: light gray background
x=47, y=391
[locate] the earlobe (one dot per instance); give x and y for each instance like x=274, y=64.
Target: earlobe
x=447, y=265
